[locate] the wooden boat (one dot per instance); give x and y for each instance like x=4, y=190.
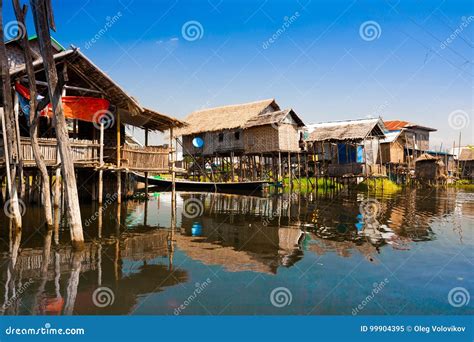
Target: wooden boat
x=186, y=185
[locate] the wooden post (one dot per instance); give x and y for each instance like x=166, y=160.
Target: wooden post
x=16, y=110
x=8, y=127
x=459, y=153
x=119, y=174
x=232, y=165
x=290, y=178
x=43, y=18
x=173, y=173
x=101, y=164
x=279, y=166
x=57, y=185
x=146, y=173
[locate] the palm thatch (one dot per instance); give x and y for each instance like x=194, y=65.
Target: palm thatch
x=274, y=118
x=226, y=117
x=353, y=130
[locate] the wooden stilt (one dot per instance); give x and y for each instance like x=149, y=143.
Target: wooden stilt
x=100, y=195
x=146, y=173
x=43, y=18
x=119, y=156
x=8, y=129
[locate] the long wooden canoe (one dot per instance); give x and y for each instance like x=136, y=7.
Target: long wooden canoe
x=186, y=185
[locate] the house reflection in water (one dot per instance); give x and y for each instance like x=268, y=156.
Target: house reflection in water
x=131, y=251
x=54, y=280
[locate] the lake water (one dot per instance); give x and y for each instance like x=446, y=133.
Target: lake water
x=409, y=253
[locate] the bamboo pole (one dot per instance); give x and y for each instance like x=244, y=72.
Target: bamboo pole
x=101, y=164
x=43, y=19
x=146, y=173
x=119, y=174
x=173, y=175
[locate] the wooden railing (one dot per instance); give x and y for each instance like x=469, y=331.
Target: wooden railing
x=149, y=158
x=82, y=151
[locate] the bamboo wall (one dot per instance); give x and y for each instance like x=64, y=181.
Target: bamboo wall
x=153, y=158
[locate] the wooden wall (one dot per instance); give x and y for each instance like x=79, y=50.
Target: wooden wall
x=392, y=153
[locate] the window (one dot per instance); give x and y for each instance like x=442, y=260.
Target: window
x=237, y=135
x=221, y=137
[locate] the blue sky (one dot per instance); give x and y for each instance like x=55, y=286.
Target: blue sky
x=321, y=63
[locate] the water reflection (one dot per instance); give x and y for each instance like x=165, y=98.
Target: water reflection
x=142, y=250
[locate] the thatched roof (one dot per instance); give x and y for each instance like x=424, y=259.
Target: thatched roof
x=131, y=112
x=226, y=117
x=274, y=118
x=355, y=130
x=467, y=154
x=426, y=157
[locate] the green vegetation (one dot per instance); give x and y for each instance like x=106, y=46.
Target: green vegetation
x=463, y=184
x=305, y=185
x=379, y=185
